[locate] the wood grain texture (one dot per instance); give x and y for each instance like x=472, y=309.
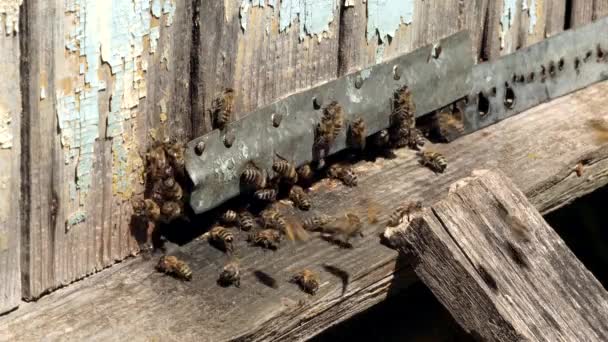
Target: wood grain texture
x=10, y=157
x=121, y=97
x=503, y=273
x=260, y=62
x=537, y=149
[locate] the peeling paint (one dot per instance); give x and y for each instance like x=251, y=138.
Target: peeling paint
x=74, y=219
x=385, y=16
x=6, y=137
x=314, y=16
x=509, y=11
x=9, y=16
x=111, y=32
x=530, y=6
x=247, y=4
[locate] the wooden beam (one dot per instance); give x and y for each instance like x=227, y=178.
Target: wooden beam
x=10, y=159
x=97, y=91
x=538, y=150
x=500, y=269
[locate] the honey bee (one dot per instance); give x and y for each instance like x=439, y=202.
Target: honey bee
x=230, y=217
x=171, y=265
x=358, y=133
x=267, y=238
x=267, y=195
x=404, y=209
x=254, y=176
x=272, y=218
x=323, y=135
x=222, y=108
x=343, y=228
x=381, y=139
x=433, y=160
x=171, y=210
x=285, y=169
x=158, y=166
x=221, y=237
x=307, y=280
x=404, y=108
x=171, y=189
x=415, y=139
x=448, y=124
x=299, y=198
x=247, y=221
x=230, y=275
x=316, y=222
x=373, y=210
x=147, y=208
x=345, y=174
x=334, y=114
x=175, y=152
x=305, y=173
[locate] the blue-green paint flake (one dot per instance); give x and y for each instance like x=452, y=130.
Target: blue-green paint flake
x=76, y=218
x=385, y=16
x=115, y=37
x=314, y=16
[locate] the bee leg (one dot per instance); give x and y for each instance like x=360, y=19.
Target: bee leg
x=237, y=283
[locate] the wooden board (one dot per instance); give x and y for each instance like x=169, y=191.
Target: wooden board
x=489, y=256
x=537, y=150
x=97, y=91
x=586, y=11
x=497, y=27
x=253, y=51
x=10, y=153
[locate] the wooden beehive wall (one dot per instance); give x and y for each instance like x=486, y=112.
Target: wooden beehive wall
x=106, y=77
x=10, y=149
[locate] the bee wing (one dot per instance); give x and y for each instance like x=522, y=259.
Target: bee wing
x=294, y=230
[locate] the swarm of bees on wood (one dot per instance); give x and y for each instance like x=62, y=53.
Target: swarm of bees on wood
x=268, y=219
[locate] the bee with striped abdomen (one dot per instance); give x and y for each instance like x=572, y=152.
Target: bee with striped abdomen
x=222, y=108
x=147, y=208
x=267, y=238
x=307, y=280
x=272, y=218
x=230, y=275
x=358, y=134
x=334, y=114
x=157, y=163
x=247, y=221
x=285, y=169
x=171, y=189
x=221, y=237
x=305, y=173
x=171, y=265
x=343, y=228
x=171, y=210
x=266, y=195
x=254, y=177
x=316, y=222
x=230, y=217
x=175, y=153
x=345, y=174
x=433, y=160
x=405, y=209
x=299, y=197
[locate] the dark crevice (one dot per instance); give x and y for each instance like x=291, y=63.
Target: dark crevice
x=194, y=70
x=568, y=15
x=484, y=53
x=342, y=38
x=24, y=203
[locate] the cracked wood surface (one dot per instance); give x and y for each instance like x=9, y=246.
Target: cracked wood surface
x=503, y=273
x=537, y=149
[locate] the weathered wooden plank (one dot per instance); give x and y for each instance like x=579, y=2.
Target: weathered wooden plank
x=489, y=256
x=376, y=31
x=537, y=149
x=98, y=87
x=10, y=156
x=262, y=51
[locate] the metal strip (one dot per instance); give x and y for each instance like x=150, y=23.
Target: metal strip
x=216, y=169
x=537, y=74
